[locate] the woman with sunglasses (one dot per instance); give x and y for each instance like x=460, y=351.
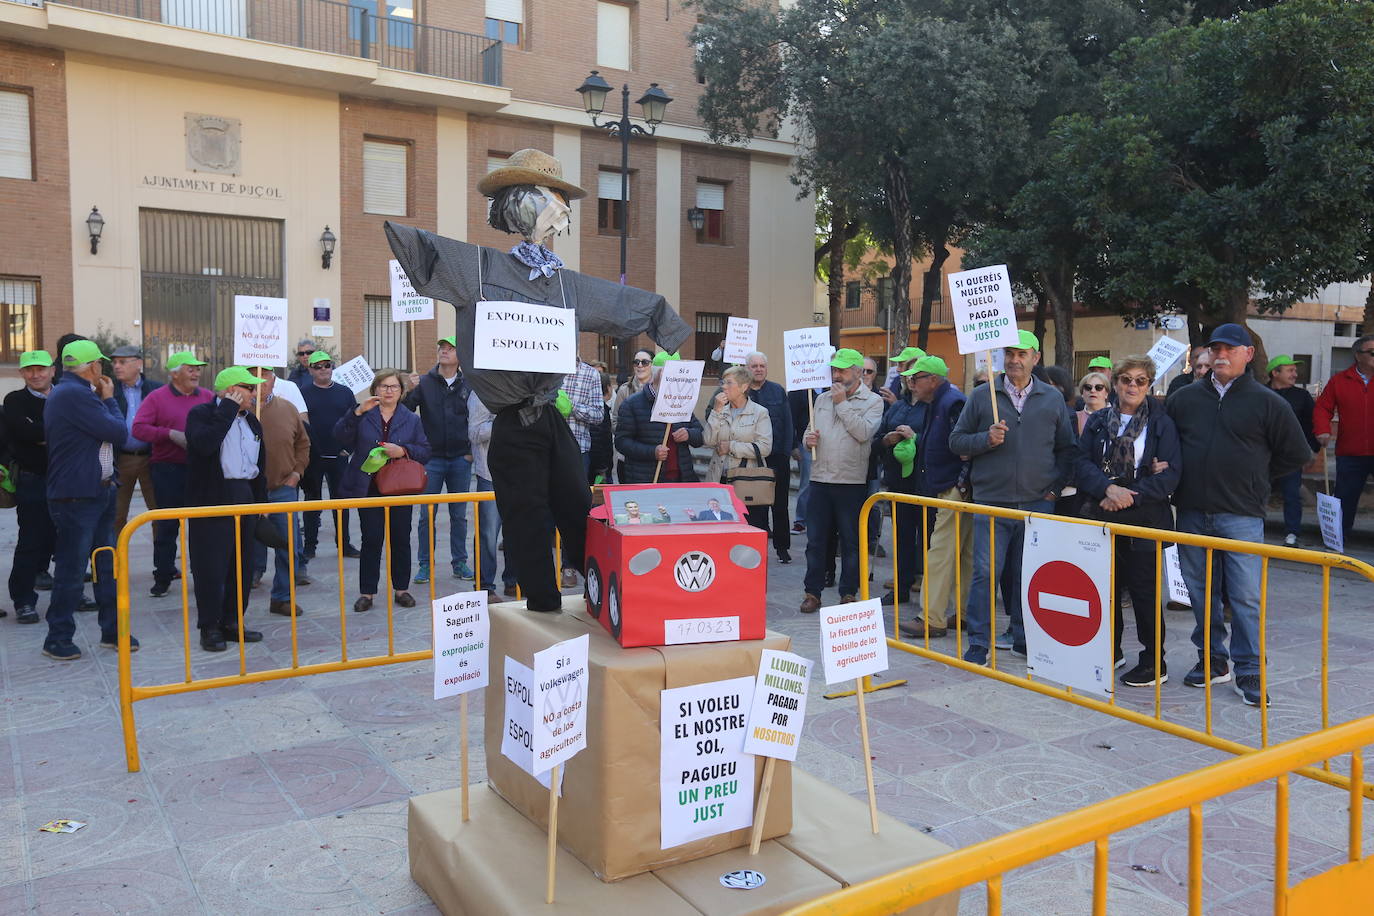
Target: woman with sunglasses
x=1128, y=465
x=1093, y=387
x=643, y=367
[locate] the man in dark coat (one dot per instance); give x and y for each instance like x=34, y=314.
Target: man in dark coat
x=226, y=465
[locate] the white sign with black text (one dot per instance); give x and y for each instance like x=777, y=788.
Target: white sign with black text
x=984, y=315
x=1165, y=353
x=779, y=707
x=461, y=633
x=1329, y=518
x=741, y=339
x=355, y=375
x=260, y=335
x=517, y=734
x=706, y=780
x=406, y=304
x=806, y=354
x=1173, y=570
x=523, y=337
x=560, y=701
x=678, y=389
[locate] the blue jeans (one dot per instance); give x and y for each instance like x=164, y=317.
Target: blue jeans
x=281, y=579
x=82, y=525
x=1005, y=567
x=803, y=483
x=834, y=505
x=1242, y=571
x=1351, y=472
x=489, y=523
x=456, y=474
x=1291, y=487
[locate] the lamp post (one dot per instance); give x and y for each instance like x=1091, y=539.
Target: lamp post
x=594, y=90
x=95, y=225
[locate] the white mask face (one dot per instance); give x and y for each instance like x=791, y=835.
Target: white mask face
x=552, y=219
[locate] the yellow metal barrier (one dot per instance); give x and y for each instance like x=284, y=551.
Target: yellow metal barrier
x=1339, y=890
x=1207, y=734
x=129, y=693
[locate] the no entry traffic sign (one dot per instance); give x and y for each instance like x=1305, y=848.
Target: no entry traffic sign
x=1065, y=603
x=1065, y=572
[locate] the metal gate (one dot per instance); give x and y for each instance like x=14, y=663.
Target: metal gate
x=194, y=264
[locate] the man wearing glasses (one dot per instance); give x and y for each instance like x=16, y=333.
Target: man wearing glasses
x=1350, y=398
x=326, y=401
x=300, y=373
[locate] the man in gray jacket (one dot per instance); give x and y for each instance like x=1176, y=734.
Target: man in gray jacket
x=1020, y=462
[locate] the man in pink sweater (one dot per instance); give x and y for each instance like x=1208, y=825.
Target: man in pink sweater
x=161, y=420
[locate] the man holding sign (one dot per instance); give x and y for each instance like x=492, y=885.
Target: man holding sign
x=1020, y=460
x=535, y=462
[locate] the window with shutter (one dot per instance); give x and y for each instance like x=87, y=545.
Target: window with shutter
x=385, y=342
x=16, y=135
x=611, y=210
x=20, y=326
x=384, y=177
x=613, y=36
x=711, y=201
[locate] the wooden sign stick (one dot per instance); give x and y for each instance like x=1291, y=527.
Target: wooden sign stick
x=1326, y=473
x=257, y=399
x=414, y=354
x=658, y=468
x=463, y=743
x=868, y=755
x=553, y=832
x=811, y=409
x=756, y=836
x=992, y=393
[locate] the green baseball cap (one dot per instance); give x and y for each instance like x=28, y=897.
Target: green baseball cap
x=235, y=375
x=1282, y=360
x=846, y=358
x=451, y=340
x=908, y=354
x=80, y=352
x=664, y=356
x=34, y=358
x=1026, y=341
x=375, y=460
x=184, y=358
x=905, y=453
x=1100, y=362
x=931, y=364
x=319, y=356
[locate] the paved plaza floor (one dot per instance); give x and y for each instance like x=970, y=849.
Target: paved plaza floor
x=290, y=796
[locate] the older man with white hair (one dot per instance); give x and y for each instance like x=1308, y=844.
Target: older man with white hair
x=85, y=431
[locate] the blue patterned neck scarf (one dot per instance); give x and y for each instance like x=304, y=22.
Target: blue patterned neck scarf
x=537, y=258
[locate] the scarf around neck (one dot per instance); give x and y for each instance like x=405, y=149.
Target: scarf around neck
x=538, y=258
x=1120, y=457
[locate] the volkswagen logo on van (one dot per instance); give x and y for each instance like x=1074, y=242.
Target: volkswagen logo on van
x=694, y=571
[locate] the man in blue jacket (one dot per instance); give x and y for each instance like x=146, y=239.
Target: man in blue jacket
x=85, y=432
x=1022, y=461
x=440, y=397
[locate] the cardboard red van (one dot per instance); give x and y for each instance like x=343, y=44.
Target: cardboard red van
x=675, y=563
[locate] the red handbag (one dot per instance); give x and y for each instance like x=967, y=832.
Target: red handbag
x=401, y=477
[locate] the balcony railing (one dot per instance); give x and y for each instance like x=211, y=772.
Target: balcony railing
x=353, y=30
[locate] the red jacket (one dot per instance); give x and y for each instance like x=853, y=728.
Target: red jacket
x=1352, y=401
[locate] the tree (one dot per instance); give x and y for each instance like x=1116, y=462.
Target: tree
x=1234, y=162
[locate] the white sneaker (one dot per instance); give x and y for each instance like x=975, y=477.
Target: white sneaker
x=1290, y=540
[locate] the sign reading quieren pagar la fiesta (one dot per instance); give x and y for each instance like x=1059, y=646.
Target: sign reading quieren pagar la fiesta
x=523, y=337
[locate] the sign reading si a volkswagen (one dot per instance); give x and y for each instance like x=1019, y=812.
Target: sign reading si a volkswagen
x=694, y=571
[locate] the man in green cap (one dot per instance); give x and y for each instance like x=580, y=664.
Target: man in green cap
x=1021, y=461
x=227, y=465
x=1100, y=362
x=440, y=397
x=33, y=549
x=842, y=433
x=161, y=421
x=1283, y=379
x=84, y=432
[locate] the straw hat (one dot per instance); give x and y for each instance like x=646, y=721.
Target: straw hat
x=529, y=166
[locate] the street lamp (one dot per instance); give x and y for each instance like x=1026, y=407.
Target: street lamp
x=696, y=218
x=652, y=104
x=95, y=224
x=327, y=242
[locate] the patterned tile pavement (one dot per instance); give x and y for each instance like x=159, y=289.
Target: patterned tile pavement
x=290, y=796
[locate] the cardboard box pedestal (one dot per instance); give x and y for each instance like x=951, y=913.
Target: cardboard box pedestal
x=609, y=810
x=494, y=864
